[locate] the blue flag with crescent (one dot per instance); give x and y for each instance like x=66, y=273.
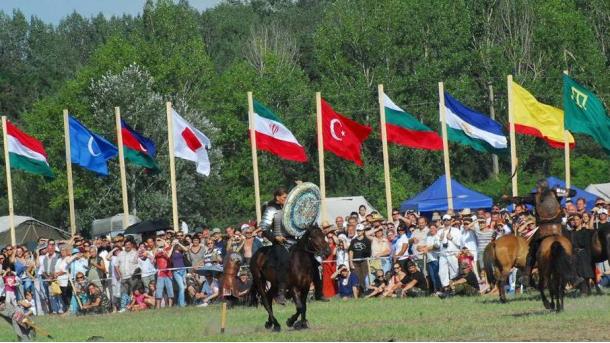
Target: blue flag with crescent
x=88, y=149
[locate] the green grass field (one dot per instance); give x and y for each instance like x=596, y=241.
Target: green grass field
x=424, y=319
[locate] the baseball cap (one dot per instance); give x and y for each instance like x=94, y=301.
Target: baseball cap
x=244, y=227
x=446, y=217
x=359, y=227
x=216, y=230
x=602, y=211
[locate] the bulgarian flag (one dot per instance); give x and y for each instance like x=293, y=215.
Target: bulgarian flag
x=404, y=129
x=26, y=152
x=274, y=137
x=138, y=149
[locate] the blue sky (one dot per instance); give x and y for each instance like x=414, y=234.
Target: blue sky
x=52, y=11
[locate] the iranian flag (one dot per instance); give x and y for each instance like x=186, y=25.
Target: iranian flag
x=274, y=137
x=26, y=152
x=404, y=129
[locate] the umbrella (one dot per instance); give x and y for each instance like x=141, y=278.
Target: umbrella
x=147, y=226
x=215, y=269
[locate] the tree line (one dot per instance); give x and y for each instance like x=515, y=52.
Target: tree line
x=284, y=51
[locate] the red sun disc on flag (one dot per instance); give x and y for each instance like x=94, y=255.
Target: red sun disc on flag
x=191, y=140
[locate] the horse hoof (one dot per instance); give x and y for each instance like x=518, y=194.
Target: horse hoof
x=503, y=300
x=277, y=328
x=305, y=324
x=268, y=325
x=298, y=325
x=290, y=322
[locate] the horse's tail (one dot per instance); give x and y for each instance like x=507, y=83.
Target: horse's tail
x=489, y=256
x=562, y=263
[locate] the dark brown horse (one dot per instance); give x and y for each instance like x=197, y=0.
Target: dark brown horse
x=300, y=271
x=555, y=269
x=501, y=256
x=600, y=250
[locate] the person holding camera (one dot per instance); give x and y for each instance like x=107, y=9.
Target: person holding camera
x=451, y=240
x=347, y=283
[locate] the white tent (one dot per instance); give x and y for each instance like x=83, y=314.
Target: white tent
x=343, y=206
x=600, y=189
x=28, y=230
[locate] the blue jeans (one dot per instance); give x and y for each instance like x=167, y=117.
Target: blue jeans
x=179, y=276
x=433, y=272
x=164, y=283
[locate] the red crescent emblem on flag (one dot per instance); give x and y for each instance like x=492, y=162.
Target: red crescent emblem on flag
x=274, y=129
x=191, y=140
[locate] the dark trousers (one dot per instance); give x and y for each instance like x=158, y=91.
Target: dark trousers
x=278, y=261
x=361, y=268
x=433, y=275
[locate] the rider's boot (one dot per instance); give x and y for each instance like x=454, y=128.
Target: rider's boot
x=317, y=283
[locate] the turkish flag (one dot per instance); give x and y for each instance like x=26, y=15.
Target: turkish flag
x=343, y=136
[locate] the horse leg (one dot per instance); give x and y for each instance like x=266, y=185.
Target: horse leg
x=541, y=283
x=270, y=294
x=297, y=302
x=266, y=302
x=304, y=323
x=501, y=284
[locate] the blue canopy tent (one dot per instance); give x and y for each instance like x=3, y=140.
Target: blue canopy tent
x=434, y=198
x=580, y=193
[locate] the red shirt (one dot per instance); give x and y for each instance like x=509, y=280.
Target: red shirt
x=162, y=262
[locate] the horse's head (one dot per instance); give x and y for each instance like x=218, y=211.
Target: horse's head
x=315, y=240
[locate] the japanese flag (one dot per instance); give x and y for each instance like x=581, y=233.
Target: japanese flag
x=191, y=144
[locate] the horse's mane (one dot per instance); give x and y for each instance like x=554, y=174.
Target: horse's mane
x=302, y=241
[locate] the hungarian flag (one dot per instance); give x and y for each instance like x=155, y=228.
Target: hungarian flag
x=403, y=129
x=585, y=113
x=26, y=152
x=537, y=119
x=190, y=144
x=274, y=137
x=138, y=149
x=343, y=136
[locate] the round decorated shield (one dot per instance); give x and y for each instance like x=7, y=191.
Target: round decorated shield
x=301, y=208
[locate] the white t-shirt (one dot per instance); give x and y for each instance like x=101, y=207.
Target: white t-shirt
x=62, y=266
x=399, y=244
x=454, y=244
x=469, y=240
x=146, y=266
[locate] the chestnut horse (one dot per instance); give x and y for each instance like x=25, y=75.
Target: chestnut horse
x=301, y=267
x=504, y=253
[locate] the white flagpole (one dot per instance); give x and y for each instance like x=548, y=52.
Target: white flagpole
x=9, y=183
x=321, y=157
x=119, y=135
x=69, y=174
x=172, y=164
x=386, y=155
x=441, y=108
x=513, y=139
x=257, y=192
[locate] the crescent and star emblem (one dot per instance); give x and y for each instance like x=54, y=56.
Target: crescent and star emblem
x=90, y=147
x=333, y=132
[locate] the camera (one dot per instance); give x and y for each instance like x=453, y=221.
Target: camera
x=445, y=245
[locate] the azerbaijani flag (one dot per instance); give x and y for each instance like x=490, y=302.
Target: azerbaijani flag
x=26, y=152
x=403, y=129
x=274, y=137
x=138, y=149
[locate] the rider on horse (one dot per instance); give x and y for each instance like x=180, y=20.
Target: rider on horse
x=548, y=223
x=282, y=240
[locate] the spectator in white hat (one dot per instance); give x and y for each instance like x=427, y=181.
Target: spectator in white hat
x=451, y=241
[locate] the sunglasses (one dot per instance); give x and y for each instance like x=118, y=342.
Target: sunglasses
x=80, y=277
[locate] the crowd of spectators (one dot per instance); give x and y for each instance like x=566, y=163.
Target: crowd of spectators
x=409, y=255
